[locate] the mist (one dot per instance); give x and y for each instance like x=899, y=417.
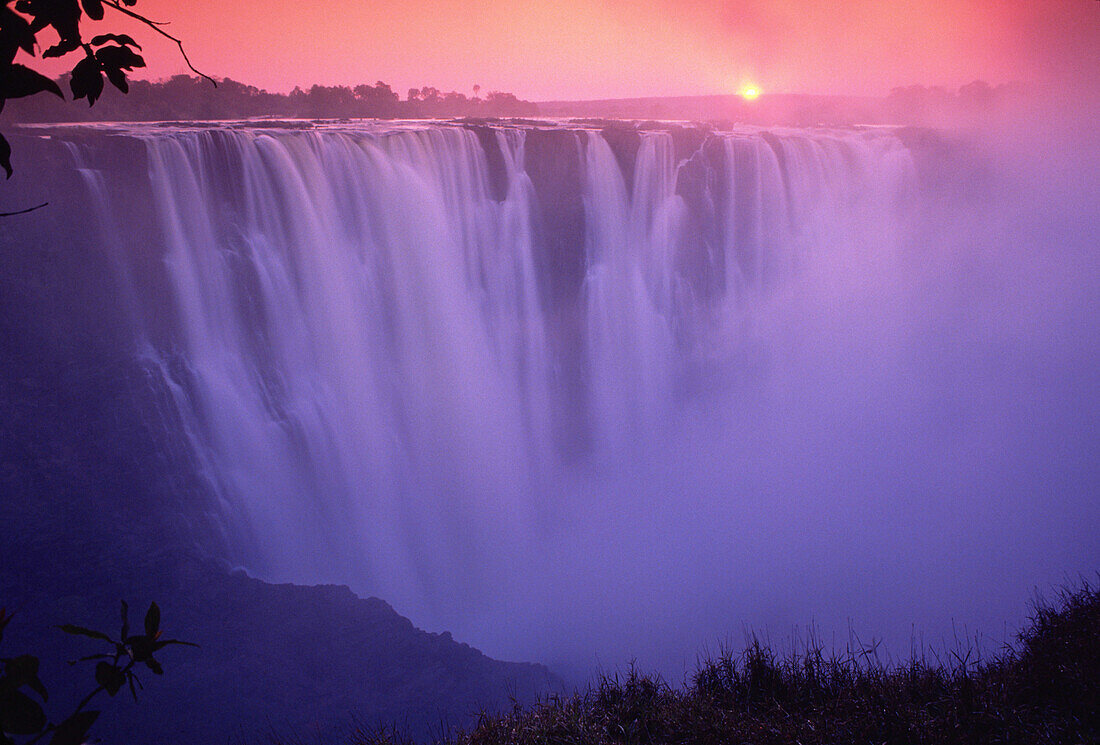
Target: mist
x=899, y=445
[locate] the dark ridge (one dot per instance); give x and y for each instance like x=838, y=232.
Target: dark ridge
x=596, y=122
x=686, y=141
x=518, y=121
x=624, y=141
x=498, y=171
x=777, y=148
x=700, y=259
x=784, y=167
x=938, y=158
x=553, y=163
x=282, y=658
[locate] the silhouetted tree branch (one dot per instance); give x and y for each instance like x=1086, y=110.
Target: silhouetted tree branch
x=156, y=26
x=23, y=212
x=106, y=55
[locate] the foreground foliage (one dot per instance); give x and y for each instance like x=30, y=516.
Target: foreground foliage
x=1045, y=690
x=21, y=690
x=25, y=24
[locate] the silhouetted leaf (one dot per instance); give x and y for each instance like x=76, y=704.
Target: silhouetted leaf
x=87, y=81
x=92, y=657
x=23, y=671
x=152, y=620
x=63, y=15
x=94, y=9
x=167, y=642
x=81, y=631
x=141, y=647
x=62, y=48
x=22, y=716
x=117, y=38
x=110, y=677
x=5, y=163
x=122, y=58
x=117, y=78
x=35, y=684
x=74, y=730
x=21, y=80
x=21, y=668
x=154, y=666
x=15, y=34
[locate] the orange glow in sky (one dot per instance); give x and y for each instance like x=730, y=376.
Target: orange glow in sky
x=555, y=49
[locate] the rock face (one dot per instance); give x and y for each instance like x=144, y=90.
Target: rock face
x=307, y=657
x=554, y=166
x=299, y=661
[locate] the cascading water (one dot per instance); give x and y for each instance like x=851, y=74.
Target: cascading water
x=576, y=395
x=391, y=374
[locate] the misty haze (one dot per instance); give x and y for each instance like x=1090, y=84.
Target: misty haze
x=799, y=344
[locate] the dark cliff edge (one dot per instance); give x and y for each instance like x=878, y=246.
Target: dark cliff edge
x=272, y=659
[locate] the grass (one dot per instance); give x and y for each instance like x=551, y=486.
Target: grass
x=1044, y=689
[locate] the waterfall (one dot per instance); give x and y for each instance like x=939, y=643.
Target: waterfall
x=383, y=359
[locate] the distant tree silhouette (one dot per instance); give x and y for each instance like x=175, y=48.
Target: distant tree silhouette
x=183, y=97
x=918, y=103
x=378, y=99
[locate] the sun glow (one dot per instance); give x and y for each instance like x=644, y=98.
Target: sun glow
x=750, y=92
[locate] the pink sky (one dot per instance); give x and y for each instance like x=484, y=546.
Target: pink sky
x=549, y=49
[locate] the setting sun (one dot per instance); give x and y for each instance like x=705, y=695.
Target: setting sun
x=750, y=92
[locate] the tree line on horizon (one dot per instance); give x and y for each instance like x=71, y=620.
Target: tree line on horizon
x=186, y=97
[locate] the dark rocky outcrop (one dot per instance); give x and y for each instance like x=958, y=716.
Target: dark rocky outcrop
x=624, y=140
x=498, y=172
x=686, y=141
x=306, y=661
x=553, y=162
x=700, y=257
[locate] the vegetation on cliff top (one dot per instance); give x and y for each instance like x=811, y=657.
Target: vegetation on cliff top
x=1046, y=689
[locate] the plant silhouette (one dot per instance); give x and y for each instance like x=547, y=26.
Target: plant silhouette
x=22, y=716
x=109, y=55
